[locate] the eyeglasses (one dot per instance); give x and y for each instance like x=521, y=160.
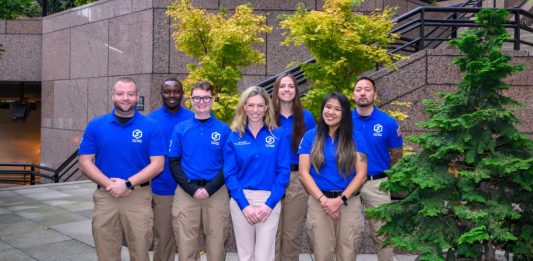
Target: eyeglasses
x=168, y=92
x=205, y=99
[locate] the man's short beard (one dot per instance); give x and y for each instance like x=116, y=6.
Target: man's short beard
x=365, y=105
x=118, y=108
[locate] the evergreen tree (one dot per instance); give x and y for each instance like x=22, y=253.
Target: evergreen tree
x=469, y=188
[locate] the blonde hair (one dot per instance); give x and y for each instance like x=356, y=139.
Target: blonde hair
x=241, y=119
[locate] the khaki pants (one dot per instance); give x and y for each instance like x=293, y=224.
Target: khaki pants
x=335, y=239
x=372, y=197
x=190, y=214
x=131, y=216
x=255, y=242
x=292, y=220
x=164, y=243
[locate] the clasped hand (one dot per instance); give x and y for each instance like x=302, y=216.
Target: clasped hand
x=201, y=193
x=331, y=206
x=118, y=188
x=256, y=215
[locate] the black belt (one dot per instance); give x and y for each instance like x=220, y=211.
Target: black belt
x=378, y=176
x=199, y=182
x=147, y=183
x=335, y=193
x=294, y=167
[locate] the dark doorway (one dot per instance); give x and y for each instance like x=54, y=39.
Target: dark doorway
x=20, y=122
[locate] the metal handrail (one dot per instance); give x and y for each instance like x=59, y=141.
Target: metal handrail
x=67, y=169
x=418, y=43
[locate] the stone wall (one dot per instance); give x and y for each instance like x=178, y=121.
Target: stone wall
x=431, y=71
x=21, y=60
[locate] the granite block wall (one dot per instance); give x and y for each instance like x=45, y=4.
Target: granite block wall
x=21, y=40
x=431, y=71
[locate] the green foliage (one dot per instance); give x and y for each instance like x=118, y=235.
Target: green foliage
x=222, y=46
x=12, y=9
x=469, y=188
x=82, y=2
x=345, y=44
x=55, y=6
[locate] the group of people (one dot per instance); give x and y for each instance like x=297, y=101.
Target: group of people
x=174, y=173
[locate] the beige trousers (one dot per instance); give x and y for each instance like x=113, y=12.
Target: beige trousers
x=372, y=196
x=164, y=243
x=190, y=214
x=131, y=216
x=255, y=242
x=292, y=220
x=335, y=239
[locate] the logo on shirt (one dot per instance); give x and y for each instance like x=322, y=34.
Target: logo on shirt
x=269, y=140
x=137, y=135
x=215, y=138
x=378, y=129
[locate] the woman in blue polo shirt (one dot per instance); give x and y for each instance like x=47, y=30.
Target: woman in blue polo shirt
x=333, y=167
x=256, y=171
x=295, y=121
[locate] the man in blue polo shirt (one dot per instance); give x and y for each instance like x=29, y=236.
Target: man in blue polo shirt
x=196, y=159
x=164, y=185
x=384, y=141
x=121, y=152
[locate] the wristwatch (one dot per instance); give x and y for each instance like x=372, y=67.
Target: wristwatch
x=344, y=200
x=129, y=185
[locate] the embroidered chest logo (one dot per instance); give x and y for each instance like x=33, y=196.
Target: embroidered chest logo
x=378, y=130
x=269, y=142
x=215, y=138
x=137, y=135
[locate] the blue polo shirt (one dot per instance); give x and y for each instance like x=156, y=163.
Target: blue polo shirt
x=329, y=177
x=381, y=133
x=122, y=150
x=164, y=183
x=200, y=146
x=287, y=123
x=260, y=163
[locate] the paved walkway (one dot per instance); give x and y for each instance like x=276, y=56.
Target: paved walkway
x=53, y=222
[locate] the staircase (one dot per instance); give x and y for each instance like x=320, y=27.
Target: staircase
x=15, y=174
x=431, y=27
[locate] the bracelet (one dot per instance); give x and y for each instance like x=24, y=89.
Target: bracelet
x=320, y=197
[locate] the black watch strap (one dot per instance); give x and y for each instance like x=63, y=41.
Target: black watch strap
x=129, y=185
x=344, y=200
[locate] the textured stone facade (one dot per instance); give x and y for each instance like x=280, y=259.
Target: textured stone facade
x=21, y=60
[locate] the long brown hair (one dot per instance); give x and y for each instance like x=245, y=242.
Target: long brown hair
x=298, y=126
x=345, y=153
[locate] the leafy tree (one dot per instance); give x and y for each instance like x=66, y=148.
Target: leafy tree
x=345, y=44
x=469, y=188
x=11, y=9
x=222, y=46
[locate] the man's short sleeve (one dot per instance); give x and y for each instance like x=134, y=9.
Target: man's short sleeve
x=360, y=143
x=88, y=141
x=174, y=149
x=158, y=146
x=395, y=138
